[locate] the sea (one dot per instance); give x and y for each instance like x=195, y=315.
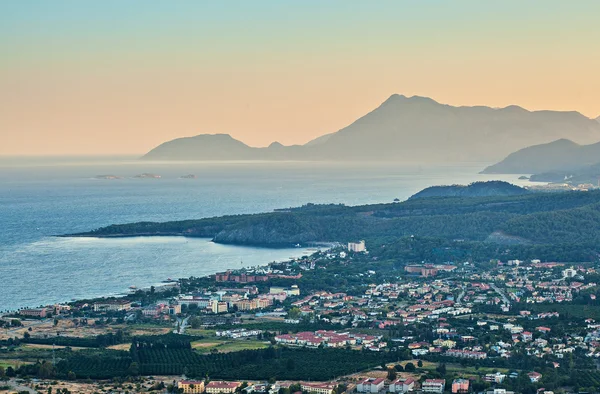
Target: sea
x=44, y=197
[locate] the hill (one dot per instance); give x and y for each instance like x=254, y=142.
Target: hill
x=202, y=147
x=560, y=155
x=477, y=189
x=406, y=129
x=557, y=219
x=578, y=176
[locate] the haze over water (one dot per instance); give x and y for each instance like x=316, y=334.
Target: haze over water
x=38, y=201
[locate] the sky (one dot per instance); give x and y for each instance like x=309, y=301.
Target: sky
x=122, y=76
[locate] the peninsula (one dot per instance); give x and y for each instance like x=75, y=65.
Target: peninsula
x=524, y=218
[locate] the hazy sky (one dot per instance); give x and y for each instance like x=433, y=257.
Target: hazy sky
x=121, y=76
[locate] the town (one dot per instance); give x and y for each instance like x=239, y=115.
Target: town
x=339, y=320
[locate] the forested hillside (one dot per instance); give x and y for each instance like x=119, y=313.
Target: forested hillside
x=536, y=218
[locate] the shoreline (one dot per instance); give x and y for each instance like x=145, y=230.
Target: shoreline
x=270, y=246
x=164, y=282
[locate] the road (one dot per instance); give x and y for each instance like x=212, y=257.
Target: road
x=497, y=290
x=12, y=383
x=460, y=296
x=182, y=325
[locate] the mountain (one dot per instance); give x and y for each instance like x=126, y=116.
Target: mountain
x=598, y=119
x=578, y=176
x=476, y=189
x=202, y=147
x=560, y=155
x=406, y=129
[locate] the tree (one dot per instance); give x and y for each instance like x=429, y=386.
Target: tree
x=420, y=364
x=294, y=313
x=290, y=365
x=410, y=367
x=2, y=372
x=391, y=374
x=441, y=368
x=134, y=369
x=10, y=372
x=46, y=370
x=195, y=322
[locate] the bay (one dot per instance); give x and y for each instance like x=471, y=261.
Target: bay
x=44, y=197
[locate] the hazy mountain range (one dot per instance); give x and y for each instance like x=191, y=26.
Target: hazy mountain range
x=560, y=155
x=405, y=129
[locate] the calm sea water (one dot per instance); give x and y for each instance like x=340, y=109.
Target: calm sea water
x=41, y=198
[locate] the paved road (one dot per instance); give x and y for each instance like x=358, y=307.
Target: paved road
x=182, y=325
x=497, y=290
x=460, y=296
x=12, y=383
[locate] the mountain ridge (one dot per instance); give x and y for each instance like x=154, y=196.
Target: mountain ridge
x=559, y=155
x=405, y=129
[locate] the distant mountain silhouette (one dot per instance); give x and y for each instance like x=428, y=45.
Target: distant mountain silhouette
x=202, y=147
x=578, y=176
x=406, y=129
x=561, y=155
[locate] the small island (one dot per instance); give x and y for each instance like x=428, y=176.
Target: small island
x=147, y=176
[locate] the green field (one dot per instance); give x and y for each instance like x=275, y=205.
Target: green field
x=465, y=371
x=227, y=345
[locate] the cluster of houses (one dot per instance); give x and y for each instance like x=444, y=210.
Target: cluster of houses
x=331, y=339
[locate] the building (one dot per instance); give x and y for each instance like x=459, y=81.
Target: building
x=402, y=386
x=255, y=303
x=36, y=312
x=357, y=247
x=293, y=290
x=569, y=273
x=433, y=386
x=217, y=306
x=191, y=386
x=460, y=386
x=466, y=354
x=319, y=388
x=112, y=306
x=242, y=277
x=220, y=386
x=174, y=309
x=370, y=385
x=494, y=377
x=534, y=376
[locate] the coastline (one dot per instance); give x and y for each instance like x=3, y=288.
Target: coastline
x=93, y=261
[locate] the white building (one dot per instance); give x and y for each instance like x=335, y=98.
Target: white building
x=569, y=273
x=434, y=386
x=370, y=385
x=402, y=386
x=357, y=246
x=319, y=388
